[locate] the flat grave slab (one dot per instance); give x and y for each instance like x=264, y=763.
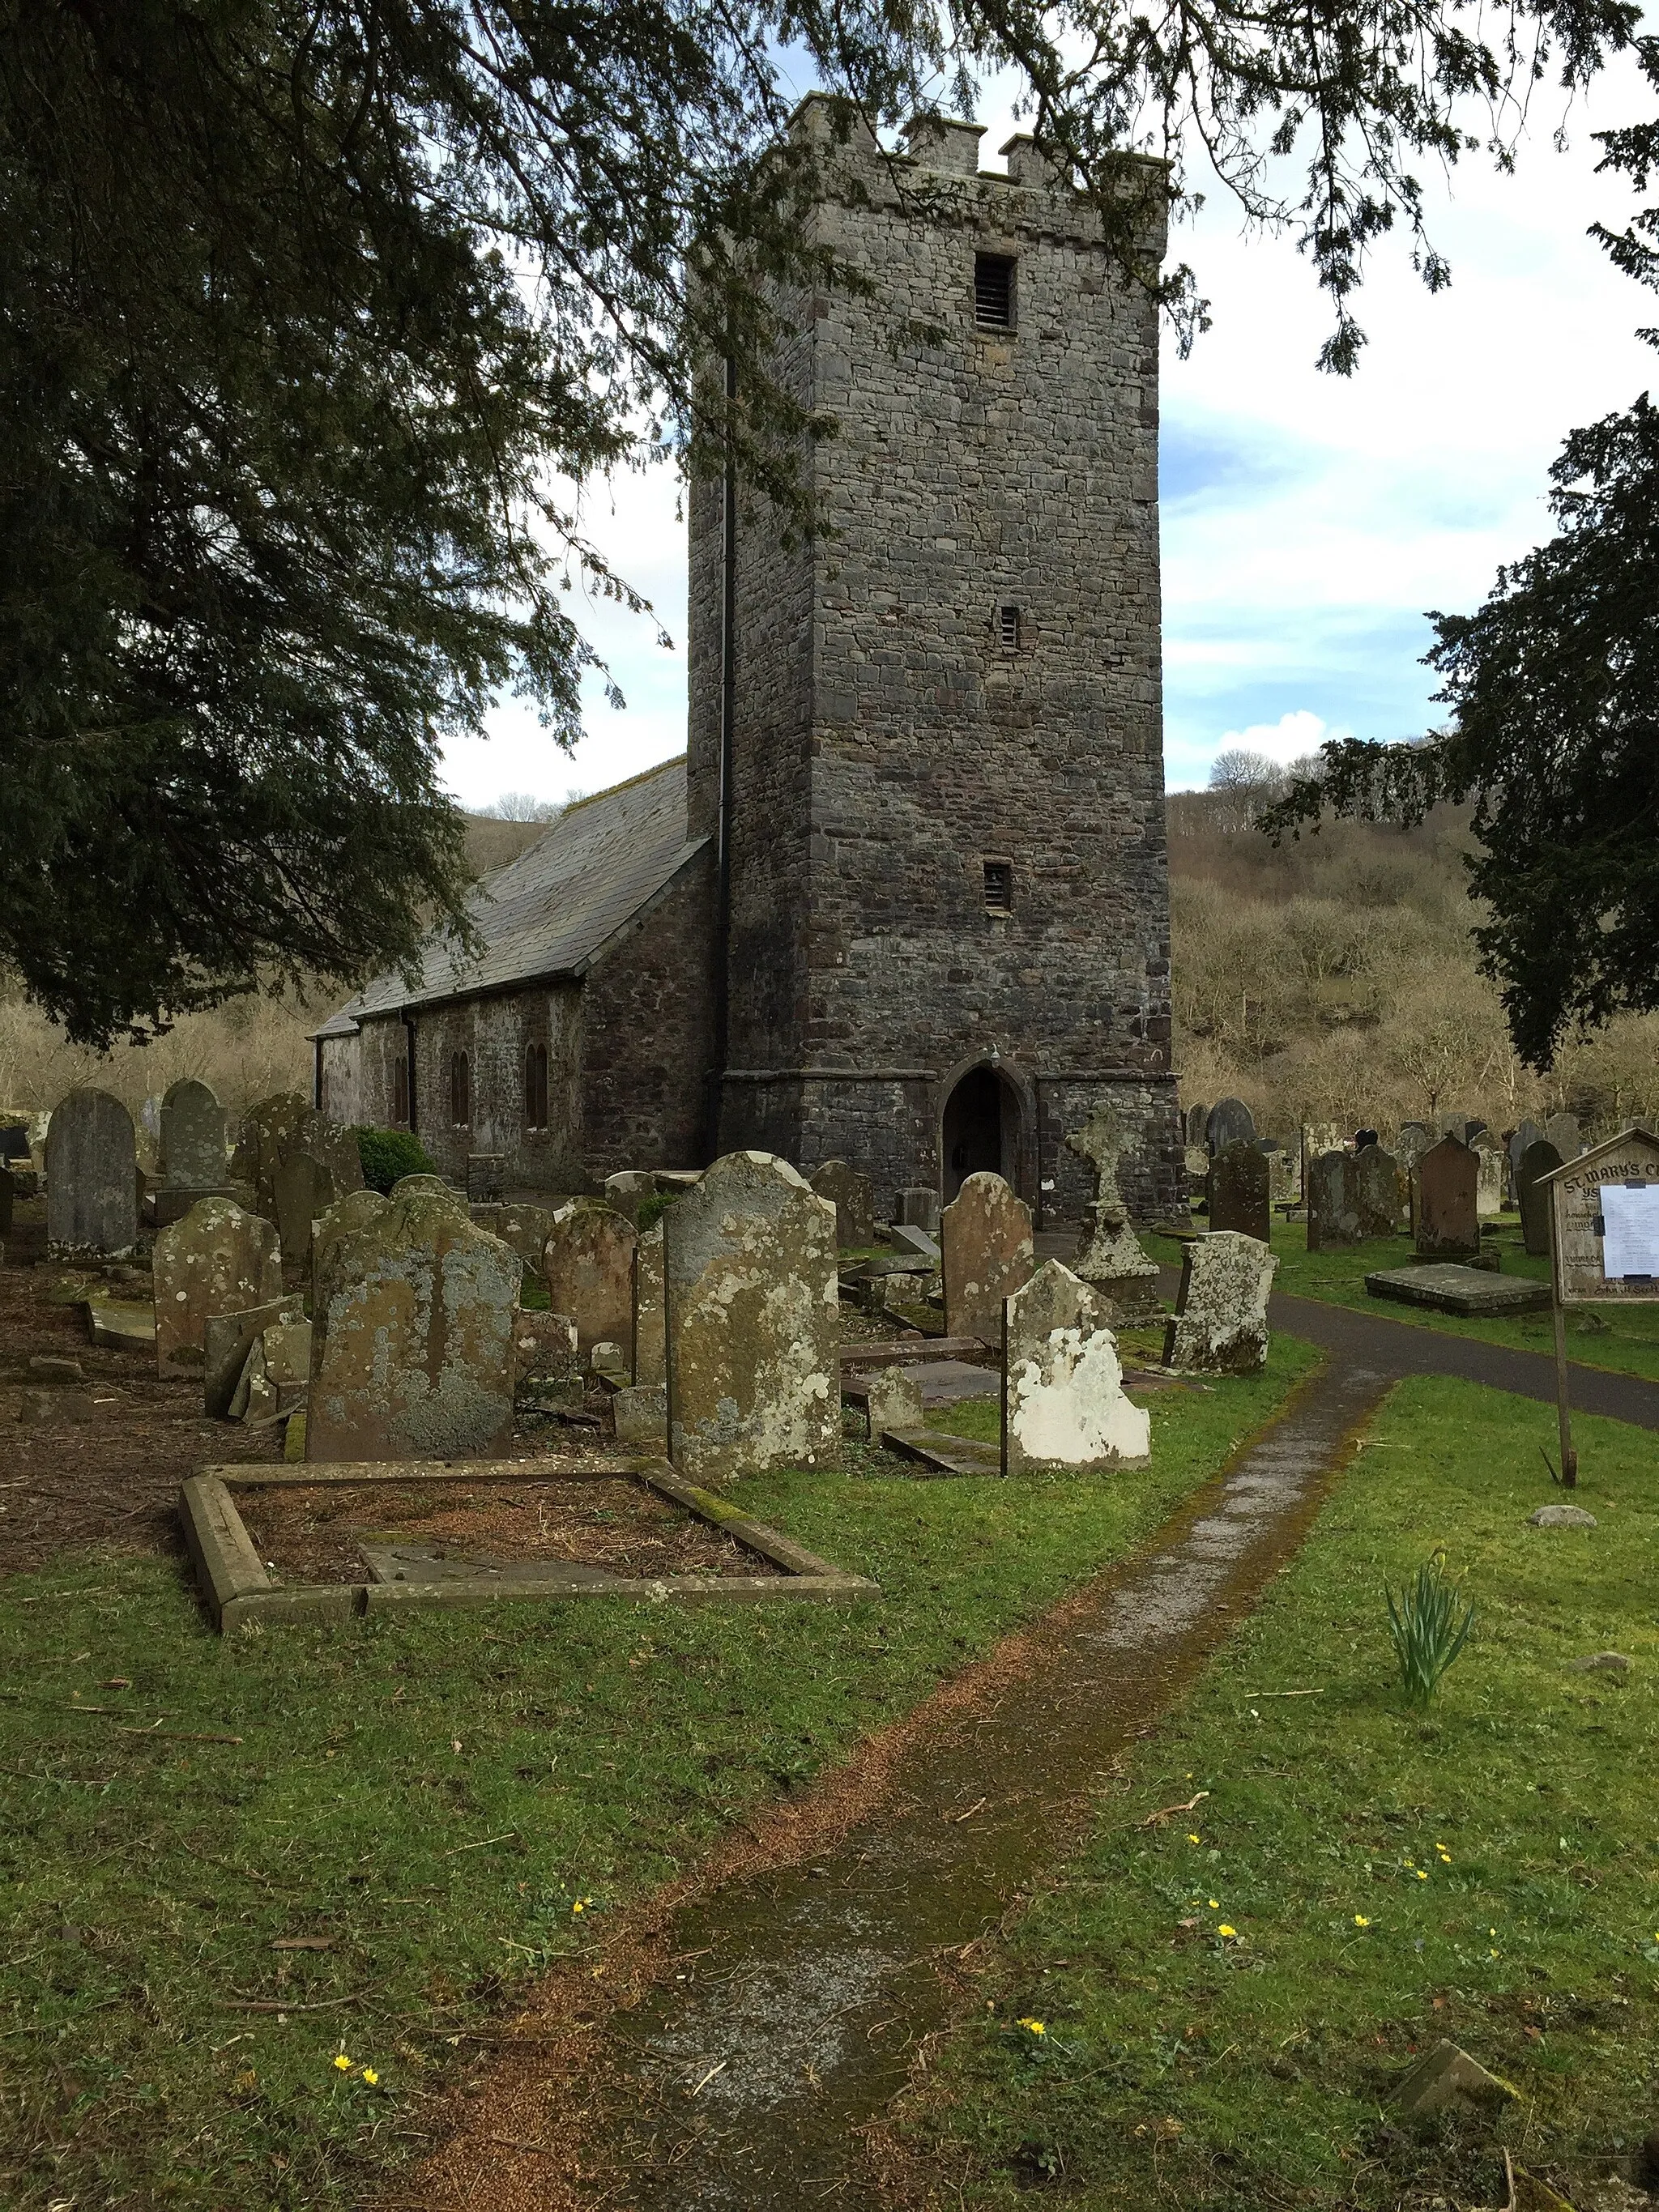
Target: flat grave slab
x=1468, y=1291
x=945, y=1455
x=941, y=1382
x=125, y=1325
x=901, y=1350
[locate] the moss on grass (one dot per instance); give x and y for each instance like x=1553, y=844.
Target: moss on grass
x=433, y=1796
x=1486, y=1874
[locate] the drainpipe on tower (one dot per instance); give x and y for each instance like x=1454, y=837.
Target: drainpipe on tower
x=728, y=718
x=409, y=1034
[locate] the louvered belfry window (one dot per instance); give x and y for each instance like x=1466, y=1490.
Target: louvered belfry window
x=993, y=291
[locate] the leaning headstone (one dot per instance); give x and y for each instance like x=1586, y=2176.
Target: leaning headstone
x=1562, y=1131
x=228, y=1338
x=1197, y=1125
x=192, y=1146
x=1333, y=1202
x=1220, y=1322
x=650, y=1329
x=1108, y=1256
x=92, y=1175
x=587, y=1264
x=1063, y=1403
x=1540, y=1160
x=1376, y=1191
x=412, y=1338
x=895, y=1401
x=1447, y=1225
x=1489, y=1163
x=1230, y=1122
x=852, y=1195
x=918, y=1204
x=753, y=1322
x=1240, y=1192
x=216, y=1260
x=987, y=1253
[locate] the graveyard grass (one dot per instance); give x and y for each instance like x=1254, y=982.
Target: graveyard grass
x=1223, y=2019
x=1625, y=1339
x=450, y=1802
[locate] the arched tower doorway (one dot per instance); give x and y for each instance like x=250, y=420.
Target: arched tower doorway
x=980, y=1130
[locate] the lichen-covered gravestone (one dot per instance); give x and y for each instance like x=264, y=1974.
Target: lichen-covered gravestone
x=753, y=1322
x=192, y=1145
x=1062, y=1381
x=304, y=1193
x=1109, y=1256
x=1489, y=1163
x=1541, y=1159
x=1447, y=1225
x=215, y=1259
x=986, y=1254
x=412, y=1336
x=1376, y=1191
x=1220, y=1323
x=1240, y=1190
x=650, y=1329
x=587, y=1264
x=92, y=1175
x=1231, y=1123
x=628, y=1189
x=277, y=1128
x=893, y=1398
x=852, y=1195
x=1333, y=1202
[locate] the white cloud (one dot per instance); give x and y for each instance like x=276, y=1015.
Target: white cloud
x=1285, y=740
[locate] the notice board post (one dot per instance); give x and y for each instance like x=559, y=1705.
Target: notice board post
x=1604, y=1245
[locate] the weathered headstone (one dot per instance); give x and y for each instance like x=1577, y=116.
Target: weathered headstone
x=304, y=1191
x=640, y=1413
x=628, y=1189
x=918, y=1204
x=587, y=1264
x=428, y=1186
x=1284, y=1178
x=1109, y=1256
x=216, y=1260
x=1220, y=1321
x=987, y=1253
x=1562, y=1131
x=852, y=1195
x=228, y=1338
x=1319, y=1138
x=277, y=1128
x=1541, y=1159
x=547, y=1366
x=193, y=1145
x=753, y=1322
x=1376, y=1191
x=412, y=1337
x=895, y=1401
x=1447, y=1225
x=1241, y=1191
x=1197, y=1162
x=1230, y=1122
x=1198, y=1124
x=526, y=1228
x=1062, y=1391
x=484, y=1171
x=650, y=1327
x=1333, y=1202
x=92, y=1175
x=358, y=1209
x=1490, y=1175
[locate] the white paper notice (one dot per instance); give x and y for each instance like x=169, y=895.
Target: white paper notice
x=1630, y=1245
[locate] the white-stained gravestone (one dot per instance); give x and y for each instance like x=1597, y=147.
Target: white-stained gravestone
x=753, y=1322
x=650, y=1327
x=1062, y=1390
x=852, y=1195
x=987, y=1254
x=192, y=1145
x=1333, y=1202
x=587, y=1264
x=92, y=1175
x=412, y=1350
x=1109, y=1256
x=1490, y=1175
x=216, y=1260
x=1220, y=1321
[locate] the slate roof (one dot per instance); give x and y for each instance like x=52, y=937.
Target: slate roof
x=550, y=914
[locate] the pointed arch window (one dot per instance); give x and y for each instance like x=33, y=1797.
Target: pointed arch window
x=460, y=1090
x=535, y=1086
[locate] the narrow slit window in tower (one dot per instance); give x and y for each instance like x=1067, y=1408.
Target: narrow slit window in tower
x=1008, y=629
x=460, y=1090
x=999, y=887
x=993, y=291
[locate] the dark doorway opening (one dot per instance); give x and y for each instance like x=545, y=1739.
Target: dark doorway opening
x=980, y=1131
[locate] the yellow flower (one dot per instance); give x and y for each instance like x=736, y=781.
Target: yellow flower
x=1215, y=1904
x=582, y=1905
x=371, y=2077
x=1360, y=1921
x=1225, y=1930
x=1036, y=2026
x=1192, y=1839
x=342, y=2064
x=1421, y=1876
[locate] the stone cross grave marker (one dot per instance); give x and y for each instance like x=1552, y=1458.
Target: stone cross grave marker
x=987, y=1254
x=1109, y=1254
x=753, y=1322
x=1063, y=1403
x=852, y=1195
x=587, y=1264
x=1230, y=1121
x=1376, y=1191
x=1447, y=1225
x=1220, y=1321
x=215, y=1259
x=1241, y=1191
x=650, y=1311
x=1541, y=1159
x=412, y=1336
x=92, y=1175
x=1332, y=1203
x=192, y=1138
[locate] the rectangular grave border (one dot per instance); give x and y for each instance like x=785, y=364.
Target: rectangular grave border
x=238, y=1590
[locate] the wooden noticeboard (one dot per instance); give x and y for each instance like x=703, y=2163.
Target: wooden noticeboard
x=1604, y=1213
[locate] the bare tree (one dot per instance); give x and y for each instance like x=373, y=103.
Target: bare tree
x=525, y=806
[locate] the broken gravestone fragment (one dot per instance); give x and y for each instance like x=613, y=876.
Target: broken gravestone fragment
x=650, y=1340
x=895, y=1402
x=1220, y=1321
x=640, y=1414
x=1447, y=2076
x=1062, y=1394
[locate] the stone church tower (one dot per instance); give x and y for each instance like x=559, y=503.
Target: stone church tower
x=926, y=746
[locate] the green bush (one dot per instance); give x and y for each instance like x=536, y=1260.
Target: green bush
x=653, y=1209
x=387, y=1155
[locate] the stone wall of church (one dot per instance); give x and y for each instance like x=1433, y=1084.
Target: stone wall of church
x=648, y=1025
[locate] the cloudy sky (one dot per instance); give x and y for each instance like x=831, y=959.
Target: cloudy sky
x=1309, y=521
